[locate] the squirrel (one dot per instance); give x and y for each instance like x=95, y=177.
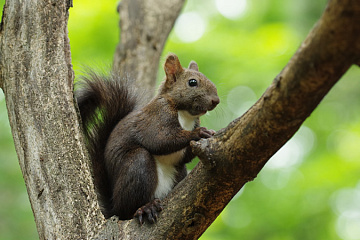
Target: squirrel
x=139, y=151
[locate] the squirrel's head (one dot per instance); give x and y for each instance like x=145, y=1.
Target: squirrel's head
x=188, y=88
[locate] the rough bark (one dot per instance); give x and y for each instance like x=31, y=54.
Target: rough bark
x=145, y=26
x=37, y=79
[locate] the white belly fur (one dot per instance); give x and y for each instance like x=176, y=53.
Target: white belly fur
x=165, y=164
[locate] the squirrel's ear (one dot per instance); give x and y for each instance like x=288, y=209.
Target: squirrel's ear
x=172, y=66
x=193, y=65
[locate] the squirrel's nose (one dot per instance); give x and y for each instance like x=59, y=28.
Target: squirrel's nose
x=215, y=101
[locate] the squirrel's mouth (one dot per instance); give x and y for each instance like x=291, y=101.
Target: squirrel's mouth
x=199, y=112
x=203, y=113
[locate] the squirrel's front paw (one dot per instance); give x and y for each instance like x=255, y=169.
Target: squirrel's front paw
x=204, y=132
x=150, y=210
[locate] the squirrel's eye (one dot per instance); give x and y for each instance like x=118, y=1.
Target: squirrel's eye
x=193, y=83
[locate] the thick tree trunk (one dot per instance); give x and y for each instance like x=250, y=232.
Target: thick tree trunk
x=36, y=76
x=37, y=79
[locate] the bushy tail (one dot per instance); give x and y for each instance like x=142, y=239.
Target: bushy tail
x=103, y=101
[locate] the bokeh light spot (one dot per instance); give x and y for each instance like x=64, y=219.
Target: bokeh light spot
x=190, y=27
x=240, y=99
x=231, y=9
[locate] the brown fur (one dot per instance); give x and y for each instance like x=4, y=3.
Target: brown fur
x=137, y=137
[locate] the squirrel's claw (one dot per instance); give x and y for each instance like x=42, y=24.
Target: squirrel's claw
x=151, y=210
x=206, y=133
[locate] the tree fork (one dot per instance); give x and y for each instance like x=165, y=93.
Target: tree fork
x=36, y=76
x=237, y=153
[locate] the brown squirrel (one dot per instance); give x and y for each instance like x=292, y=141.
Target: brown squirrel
x=139, y=152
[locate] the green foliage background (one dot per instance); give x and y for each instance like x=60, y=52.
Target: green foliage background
x=309, y=190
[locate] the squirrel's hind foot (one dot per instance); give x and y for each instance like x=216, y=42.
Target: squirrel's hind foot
x=150, y=211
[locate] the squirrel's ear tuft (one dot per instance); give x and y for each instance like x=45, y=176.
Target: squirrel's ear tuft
x=193, y=66
x=172, y=66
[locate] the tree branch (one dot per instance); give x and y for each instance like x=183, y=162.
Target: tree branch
x=145, y=26
x=232, y=157
x=38, y=84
